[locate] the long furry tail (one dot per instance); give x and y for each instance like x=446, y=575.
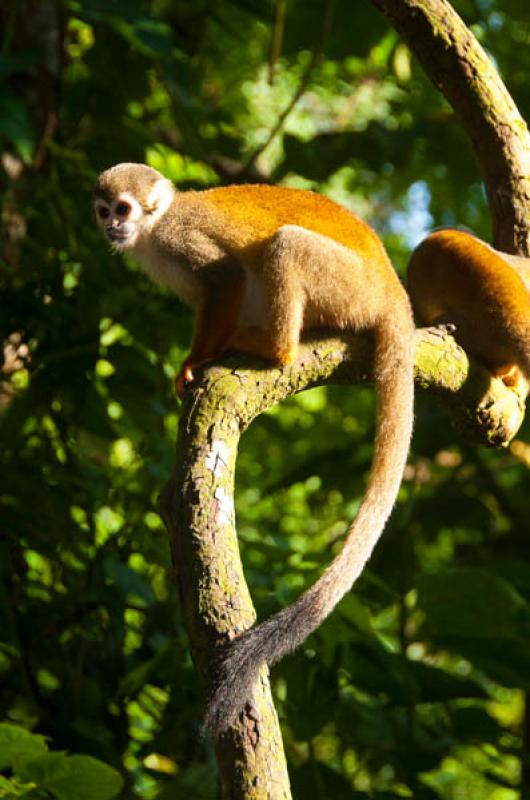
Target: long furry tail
x=240, y=660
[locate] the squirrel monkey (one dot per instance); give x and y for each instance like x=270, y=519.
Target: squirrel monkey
x=455, y=277
x=260, y=265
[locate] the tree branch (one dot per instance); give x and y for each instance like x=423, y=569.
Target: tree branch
x=462, y=71
x=197, y=506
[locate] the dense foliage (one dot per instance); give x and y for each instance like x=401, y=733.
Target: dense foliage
x=418, y=684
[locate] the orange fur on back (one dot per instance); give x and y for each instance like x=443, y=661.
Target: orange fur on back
x=455, y=277
x=260, y=209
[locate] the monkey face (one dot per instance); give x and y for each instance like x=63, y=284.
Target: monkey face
x=120, y=220
x=129, y=200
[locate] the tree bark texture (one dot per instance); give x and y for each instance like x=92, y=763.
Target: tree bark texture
x=197, y=506
x=462, y=71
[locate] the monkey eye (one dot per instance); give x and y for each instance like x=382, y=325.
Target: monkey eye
x=103, y=212
x=122, y=208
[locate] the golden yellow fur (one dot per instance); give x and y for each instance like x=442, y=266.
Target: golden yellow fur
x=455, y=277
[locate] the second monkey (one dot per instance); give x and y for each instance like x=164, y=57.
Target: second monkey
x=455, y=277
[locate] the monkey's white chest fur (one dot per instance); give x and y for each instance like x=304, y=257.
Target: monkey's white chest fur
x=167, y=271
x=253, y=310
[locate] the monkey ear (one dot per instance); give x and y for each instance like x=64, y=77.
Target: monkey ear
x=160, y=197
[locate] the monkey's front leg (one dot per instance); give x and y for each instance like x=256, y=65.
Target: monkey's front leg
x=215, y=322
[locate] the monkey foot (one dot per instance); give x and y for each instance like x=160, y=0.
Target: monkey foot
x=183, y=380
x=512, y=376
x=286, y=356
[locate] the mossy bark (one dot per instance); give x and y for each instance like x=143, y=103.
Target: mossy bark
x=197, y=505
x=462, y=71
x=483, y=408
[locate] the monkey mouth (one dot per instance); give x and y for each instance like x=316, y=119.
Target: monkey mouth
x=118, y=237
x=120, y=240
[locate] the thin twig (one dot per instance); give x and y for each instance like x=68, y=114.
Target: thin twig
x=316, y=58
x=277, y=37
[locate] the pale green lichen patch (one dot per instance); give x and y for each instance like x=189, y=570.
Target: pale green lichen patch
x=439, y=362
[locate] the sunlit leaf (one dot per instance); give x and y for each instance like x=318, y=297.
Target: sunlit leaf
x=72, y=777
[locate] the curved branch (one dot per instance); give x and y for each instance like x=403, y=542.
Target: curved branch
x=462, y=71
x=197, y=506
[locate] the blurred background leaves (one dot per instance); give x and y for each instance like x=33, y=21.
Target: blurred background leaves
x=418, y=684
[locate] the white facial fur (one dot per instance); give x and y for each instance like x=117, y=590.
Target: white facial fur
x=124, y=221
x=119, y=220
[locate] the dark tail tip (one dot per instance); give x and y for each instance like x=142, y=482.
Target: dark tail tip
x=237, y=666
x=235, y=669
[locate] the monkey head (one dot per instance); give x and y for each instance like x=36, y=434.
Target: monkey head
x=128, y=200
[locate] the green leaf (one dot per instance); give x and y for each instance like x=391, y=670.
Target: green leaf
x=471, y=602
x=15, y=123
x=134, y=680
x=127, y=580
x=11, y=788
x=72, y=777
x=475, y=724
x=17, y=743
x=505, y=659
x=436, y=685
x=354, y=611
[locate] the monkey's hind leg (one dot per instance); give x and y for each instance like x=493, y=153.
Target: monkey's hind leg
x=282, y=299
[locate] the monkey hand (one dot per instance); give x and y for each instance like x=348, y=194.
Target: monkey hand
x=183, y=379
